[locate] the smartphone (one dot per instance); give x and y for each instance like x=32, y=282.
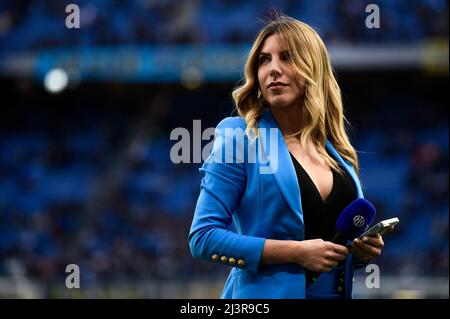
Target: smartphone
x=380, y=227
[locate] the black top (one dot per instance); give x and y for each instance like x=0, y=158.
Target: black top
x=320, y=216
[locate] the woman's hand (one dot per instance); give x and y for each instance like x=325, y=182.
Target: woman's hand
x=319, y=255
x=367, y=248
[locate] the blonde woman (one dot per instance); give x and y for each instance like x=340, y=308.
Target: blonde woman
x=284, y=216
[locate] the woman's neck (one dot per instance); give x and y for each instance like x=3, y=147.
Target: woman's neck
x=288, y=118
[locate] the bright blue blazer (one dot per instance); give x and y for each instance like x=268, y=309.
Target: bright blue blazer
x=262, y=198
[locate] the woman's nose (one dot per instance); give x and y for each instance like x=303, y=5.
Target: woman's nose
x=275, y=69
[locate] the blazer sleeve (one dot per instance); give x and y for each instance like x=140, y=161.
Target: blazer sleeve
x=222, y=186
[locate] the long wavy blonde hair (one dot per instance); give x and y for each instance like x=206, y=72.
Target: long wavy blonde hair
x=322, y=109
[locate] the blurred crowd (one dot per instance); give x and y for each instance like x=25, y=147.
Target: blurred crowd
x=83, y=189
x=31, y=25
x=92, y=186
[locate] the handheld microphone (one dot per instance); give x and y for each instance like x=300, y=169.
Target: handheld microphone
x=354, y=220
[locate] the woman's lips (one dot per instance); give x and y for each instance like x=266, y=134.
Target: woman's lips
x=277, y=87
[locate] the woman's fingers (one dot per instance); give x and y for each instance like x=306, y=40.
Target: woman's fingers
x=335, y=256
x=361, y=254
x=331, y=263
x=328, y=265
x=376, y=240
x=340, y=249
x=366, y=249
x=388, y=230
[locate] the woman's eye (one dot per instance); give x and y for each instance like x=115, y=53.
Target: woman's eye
x=286, y=57
x=263, y=59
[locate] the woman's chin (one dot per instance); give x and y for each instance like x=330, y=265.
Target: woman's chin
x=280, y=103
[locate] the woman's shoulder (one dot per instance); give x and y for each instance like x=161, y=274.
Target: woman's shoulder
x=232, y=122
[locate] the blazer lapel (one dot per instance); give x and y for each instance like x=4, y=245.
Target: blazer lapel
x=281, y=166
x=349, y=168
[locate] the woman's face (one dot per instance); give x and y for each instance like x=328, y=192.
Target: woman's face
x=275, y=75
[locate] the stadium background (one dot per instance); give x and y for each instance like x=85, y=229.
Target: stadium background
x=85, y=170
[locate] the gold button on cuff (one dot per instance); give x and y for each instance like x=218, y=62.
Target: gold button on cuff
x=241, y=263
x=340, y=289
x=224, y=259
x=231, y=261
x=215, y=257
